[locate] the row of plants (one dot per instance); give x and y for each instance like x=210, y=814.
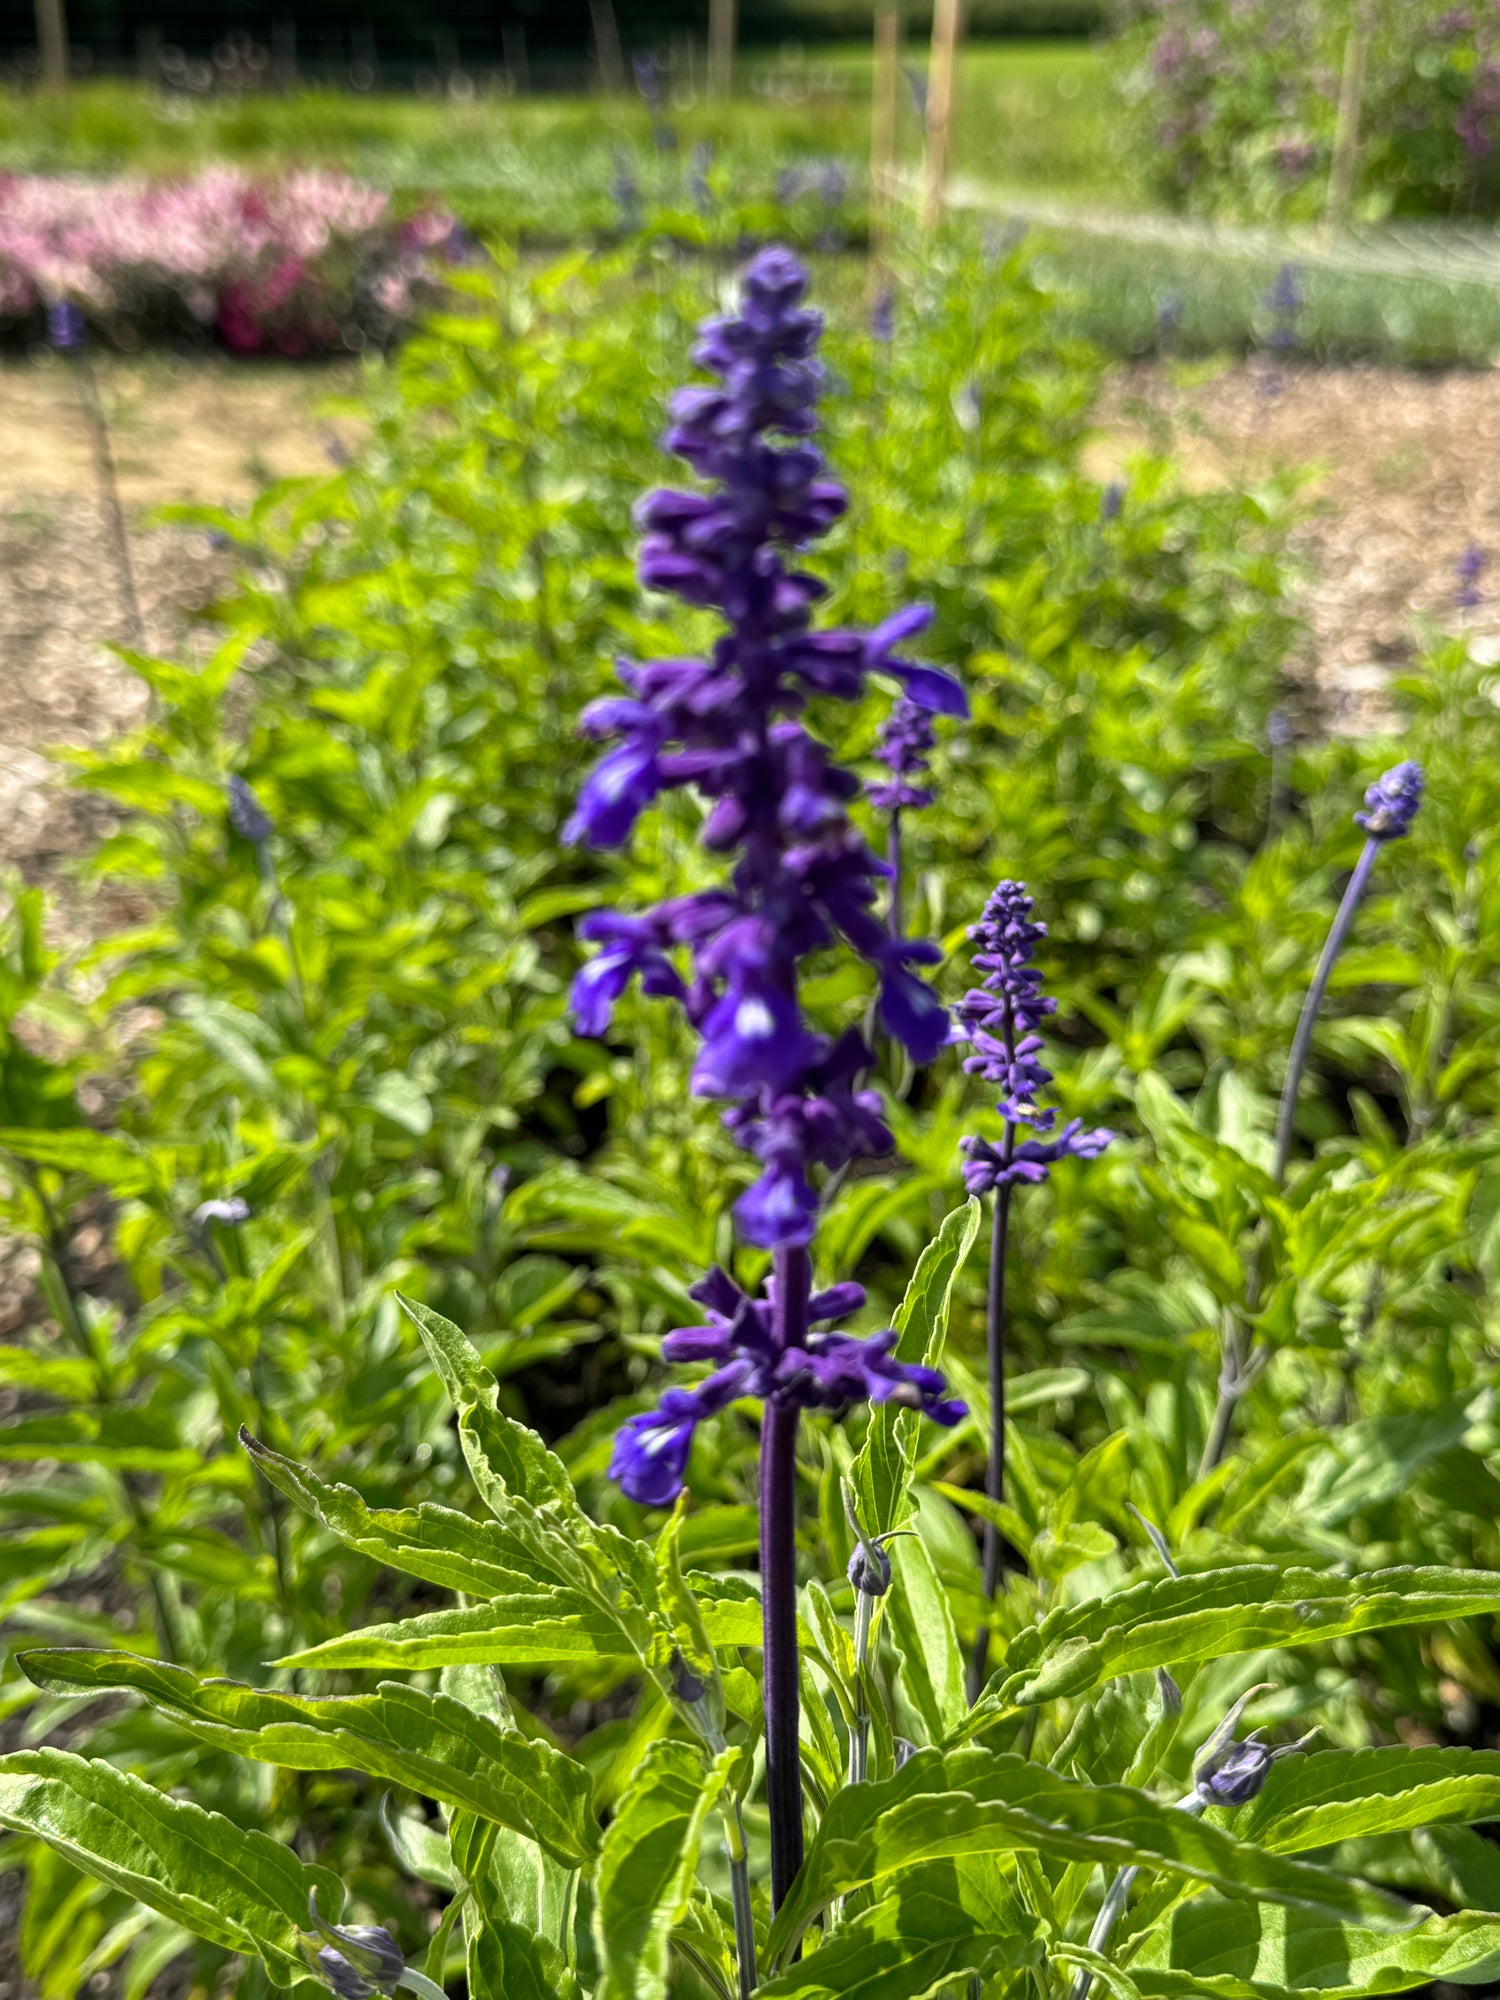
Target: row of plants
x=1239, y=105
x=1244, y=1417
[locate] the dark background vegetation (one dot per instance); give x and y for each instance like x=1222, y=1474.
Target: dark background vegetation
x=331, y=34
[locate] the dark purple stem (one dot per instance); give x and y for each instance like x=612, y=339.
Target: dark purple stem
x=893, y=856
x=994, y=1484
x=778, y=1569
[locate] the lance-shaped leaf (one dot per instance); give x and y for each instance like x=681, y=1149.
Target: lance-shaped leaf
x=1181, y=1620
x=649, y=1864
x=1219, y=1950
x=922, y=1626
x=977, y=1802
x=508, y=1962
x=442, y=1546
x=505, y=1458
x=428, y=1742
x=127, y=1440
x=554, y=1628
x=238, y=1889
x=1345, y=1794
x=882, y=1469
x=936, y=1925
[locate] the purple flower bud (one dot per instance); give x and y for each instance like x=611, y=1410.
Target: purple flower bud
x=1112, y=501
x=247, y=815
x=1234, y=1775
x=67, y=328
x=355, y=1961
x=883, y=316
x=1469, y=569
x=231, y=1212
x=1391, y=803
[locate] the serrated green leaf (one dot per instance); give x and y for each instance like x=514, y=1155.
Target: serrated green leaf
x=1241, y=1951
x=1338, y=1795
x=504, y=1457
x=1214, y=1613
x=968, y=1804
x=427, y=1742
x=648, y=1865
x=882, y=1469
x=238, y=1889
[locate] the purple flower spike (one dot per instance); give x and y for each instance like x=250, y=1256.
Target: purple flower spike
x=1469, y=568
x=730, y=727
x=1000, y=1021
x=1391, y=803
x=66, y=326
x=906, y=742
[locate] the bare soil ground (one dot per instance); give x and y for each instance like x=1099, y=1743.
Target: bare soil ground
x=1405, y=477
x=204, y=431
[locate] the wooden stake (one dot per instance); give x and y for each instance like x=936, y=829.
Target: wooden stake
x=607, y=46
x=884, y=102
x=721, y=37
x=1346, y=130
x=947, y=25
x=52, y=43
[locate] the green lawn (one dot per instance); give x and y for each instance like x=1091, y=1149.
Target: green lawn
x=1032, y=115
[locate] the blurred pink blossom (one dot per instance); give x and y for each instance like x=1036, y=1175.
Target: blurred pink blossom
x=302, y=262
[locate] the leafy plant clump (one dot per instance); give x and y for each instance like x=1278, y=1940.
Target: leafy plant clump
x=1226, y=1417
x=1239, y=104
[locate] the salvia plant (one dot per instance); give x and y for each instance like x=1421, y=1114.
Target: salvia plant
x=882, y=1763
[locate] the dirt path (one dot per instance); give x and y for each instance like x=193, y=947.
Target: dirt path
x=202, y=431
x=1406, y=480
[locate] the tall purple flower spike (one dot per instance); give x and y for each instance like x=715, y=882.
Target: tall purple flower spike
x=802, y=878
x=828, y=1371
x=1001, y=1019
x=730, y=726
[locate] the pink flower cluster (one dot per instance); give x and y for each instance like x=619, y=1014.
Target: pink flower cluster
x=304, y=263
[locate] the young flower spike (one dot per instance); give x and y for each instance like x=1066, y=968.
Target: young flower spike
x=1391, y=805
x=801, y=880
x=1000, y=1019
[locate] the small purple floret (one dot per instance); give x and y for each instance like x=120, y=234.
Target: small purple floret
x=830, y=1372
x=1391, y=803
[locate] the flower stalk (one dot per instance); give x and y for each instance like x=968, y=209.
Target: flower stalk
x=1391, y=805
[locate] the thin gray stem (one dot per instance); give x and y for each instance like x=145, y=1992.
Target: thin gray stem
x=1237, y=1370
x=739, y=1891
x=859, y=1735
x=1113, y=1907
x=109, y=495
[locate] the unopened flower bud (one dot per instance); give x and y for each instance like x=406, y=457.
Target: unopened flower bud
x=231, y=1211
x=686, y=1684
x=870, y=1569
x=354, y=1961
x=247, y=815
x=1234, y=1775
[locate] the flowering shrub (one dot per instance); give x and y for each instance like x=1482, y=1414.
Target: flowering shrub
x=1239, y=103
x=306, y=263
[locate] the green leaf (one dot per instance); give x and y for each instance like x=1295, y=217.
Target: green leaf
x=937, y=1924
x=1345, y=1794
x=1180, y=1620
x=970, y=1804
x=428, y=1742
x=882, y=1469
x=922, y=1625
x=506, y=1962
x=121, y=1166
x=403, y=1101
x=546, y=1628
x=1241, y=1951
x=129, y=1440
x=649, y=1863
x=238, y=1889
x=504, y=1457
x=477, y=1558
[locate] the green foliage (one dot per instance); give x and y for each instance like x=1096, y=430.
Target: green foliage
x=357, y=1030
x=1239, y=106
